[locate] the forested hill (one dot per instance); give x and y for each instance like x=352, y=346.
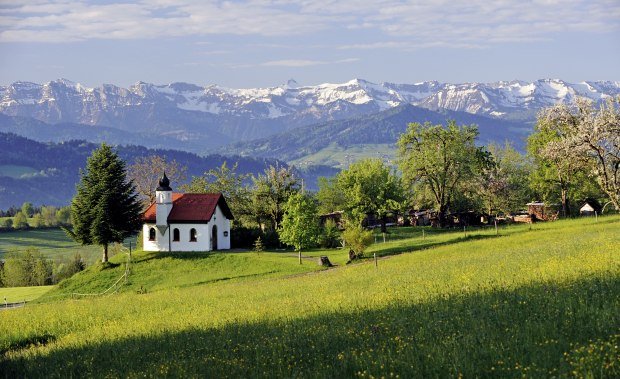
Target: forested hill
x=381, y=128
x=46, y=173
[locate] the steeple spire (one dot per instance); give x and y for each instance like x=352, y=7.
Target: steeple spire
x=164, y=183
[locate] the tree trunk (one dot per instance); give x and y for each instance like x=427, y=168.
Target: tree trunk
x=383, y=224
x=105, y=253
x=565, y=205
x=442, y=215
x=615, y=203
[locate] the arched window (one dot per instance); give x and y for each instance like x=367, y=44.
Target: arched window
x=176, y=235
x=152, y=234
x=192, y=235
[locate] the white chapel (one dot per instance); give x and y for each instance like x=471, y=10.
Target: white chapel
x=186, y=222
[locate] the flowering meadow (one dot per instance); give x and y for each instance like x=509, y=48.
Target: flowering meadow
x=540, y=302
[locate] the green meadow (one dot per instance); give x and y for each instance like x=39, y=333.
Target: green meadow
x=524, y=303
x=339, y=156
x=16, y=172
x=53, y=243
x=22, y=294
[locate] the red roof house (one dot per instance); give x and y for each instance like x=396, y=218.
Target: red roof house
x=186, y=222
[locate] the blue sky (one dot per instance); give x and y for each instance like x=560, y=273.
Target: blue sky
x=251, y=43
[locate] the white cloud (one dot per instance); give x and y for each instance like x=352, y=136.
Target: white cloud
x=421, y=23
x=305, y=62
x=408, y=46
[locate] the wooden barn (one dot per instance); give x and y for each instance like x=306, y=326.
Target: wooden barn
x=416, y=217
x=540, y=211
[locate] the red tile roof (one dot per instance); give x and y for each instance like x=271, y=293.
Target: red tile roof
x=192, y=208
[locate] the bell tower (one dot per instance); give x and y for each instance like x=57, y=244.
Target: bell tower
x=163, y=201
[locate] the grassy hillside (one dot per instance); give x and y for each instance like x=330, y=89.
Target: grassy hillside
x=163, y=271
x=527, y=303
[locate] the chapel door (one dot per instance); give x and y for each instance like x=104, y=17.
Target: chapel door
x=214, y=238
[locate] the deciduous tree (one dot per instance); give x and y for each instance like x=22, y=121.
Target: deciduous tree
x=231, y=184
x=554, y=170
x=503, y=184
x=588, y=139
x=329, y=195
x=49, y=215
x=146, y=171
x=26, y=268
x=64, y=216
x=271, y=191
x=439, y=159
x=7, y=223
x=20, y=221
x=300, y=223
x=369, y=186
x=28, y=209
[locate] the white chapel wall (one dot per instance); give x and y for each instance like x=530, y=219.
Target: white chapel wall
x=203, y=235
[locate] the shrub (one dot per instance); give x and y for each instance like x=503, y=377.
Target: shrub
x=258, y=245
x=357, y=238
x=26, y=268
x=64, y=271
x=6, y=223
x=20, y=221
x=243, y=237
x=139, y=239
x=271, y=239
x=37, y=221
x=330, y=235
x=64, y=216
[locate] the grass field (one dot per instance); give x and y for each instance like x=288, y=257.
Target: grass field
x=526, y=303
x=20, y=294
x=341, y=157
x=16, y=172
x=53, y=243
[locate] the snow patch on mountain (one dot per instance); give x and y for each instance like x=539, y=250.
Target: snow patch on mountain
x=64, y=100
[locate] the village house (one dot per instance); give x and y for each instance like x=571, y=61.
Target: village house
x=590, y=207
x=186, y=222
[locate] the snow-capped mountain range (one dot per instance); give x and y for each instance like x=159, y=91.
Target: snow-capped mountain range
x=63, y=100
x=186, y=111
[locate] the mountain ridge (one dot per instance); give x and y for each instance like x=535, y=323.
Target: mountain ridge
x=204, y=119
x=381, y=128
x=53, y=169
x=284, y=100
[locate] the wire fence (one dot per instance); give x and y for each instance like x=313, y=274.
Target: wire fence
x=114, y=288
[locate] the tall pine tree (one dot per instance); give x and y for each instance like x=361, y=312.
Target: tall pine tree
x=106, y=208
